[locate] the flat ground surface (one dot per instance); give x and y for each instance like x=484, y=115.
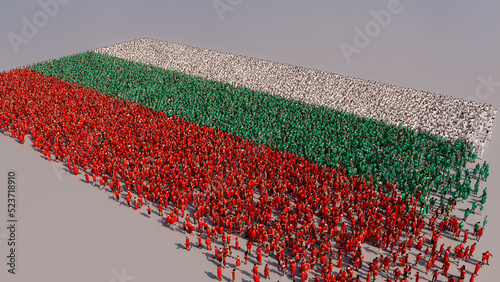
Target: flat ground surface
x=68, y=230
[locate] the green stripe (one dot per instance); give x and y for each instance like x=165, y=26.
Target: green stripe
x=332, y=138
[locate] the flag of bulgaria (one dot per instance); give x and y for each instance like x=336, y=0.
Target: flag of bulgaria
x=219, y=93
x=293, y=157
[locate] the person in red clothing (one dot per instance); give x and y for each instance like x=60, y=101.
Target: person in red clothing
x=479, y=234
x=234, y=274
x=160, y=210
x=101, y=183
x=486, y=257
x=188, y=246
x=238, y=262
x=266, y=272
x=435, y=275
x=208, y=243
x=397, y=273
x=283, y=268
x=466, y=253
x=117, y=195
x=200, y=226
x=75, y=170
x=128, y=199
x=478, y=266
x=216, y=255
x=259, y=258
x=200, y=246
x=237, y=244
x=466, y=235
x=255, y=269
x=168, y=219
x=428, y=267
x=446, y=267
x=472, y=277
x=417, y=259
x=293, y=267
x=303, y=276
x=256, y=278
x=420, y=243
x=462, y=272
x=472, y=249
x=219, y=273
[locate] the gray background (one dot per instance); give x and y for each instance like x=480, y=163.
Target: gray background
x=72, y=232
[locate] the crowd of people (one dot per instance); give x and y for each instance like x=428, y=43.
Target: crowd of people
x=444, y=116
x=413, y=161
x=312, y=220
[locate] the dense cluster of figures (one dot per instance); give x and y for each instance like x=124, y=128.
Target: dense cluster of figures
x=444, y=116
x=313, y=221
x=414, y=162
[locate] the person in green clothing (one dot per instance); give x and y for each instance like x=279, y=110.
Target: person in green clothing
x=485, y=221
x=485, y=190
x=466, y=214
x=432, y=202
x=486, y=174
x=442, y=202
x=473, y=209
x=481, y=208
x=476, y=187
x=484, y=196
x=422, y=213
x=483, y=170
x=460, y=226
x=476, y=171
x=476, y=227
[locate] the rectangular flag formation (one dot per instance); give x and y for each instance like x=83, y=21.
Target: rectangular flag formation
x=310, y=167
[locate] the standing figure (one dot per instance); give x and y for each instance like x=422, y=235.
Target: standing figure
x=219, y=273
x=188, y=246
